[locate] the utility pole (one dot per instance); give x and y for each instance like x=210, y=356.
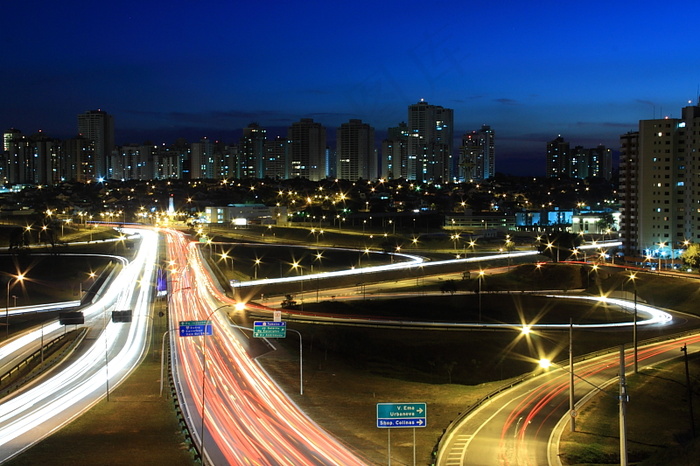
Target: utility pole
x=623, y=402
x=572, y=411
x=690, y=391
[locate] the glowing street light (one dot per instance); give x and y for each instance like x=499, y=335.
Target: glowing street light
x=622, y=398
x=257, y=265
x=454, y=239
x=17, y=279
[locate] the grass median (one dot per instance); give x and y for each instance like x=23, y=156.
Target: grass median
x=136, y=426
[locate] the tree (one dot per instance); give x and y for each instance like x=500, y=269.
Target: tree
x=606, y=221
x=448, y=286
x=289, y=302
x=691, y=256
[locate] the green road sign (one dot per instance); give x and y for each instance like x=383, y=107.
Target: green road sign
x=269, y=329
x=401, y=415
x=195, y=328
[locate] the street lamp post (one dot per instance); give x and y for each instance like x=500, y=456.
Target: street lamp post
x=18, y=278
x=481, y=275
x=633, y=278
x=684, y=349
x=204, y=371
x=454, y=241
x=662, y=245
x=572, y=411
x=622, y=398
x=623, y=403
x=257, y=265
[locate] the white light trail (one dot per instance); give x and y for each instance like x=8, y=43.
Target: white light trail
x=71, y=390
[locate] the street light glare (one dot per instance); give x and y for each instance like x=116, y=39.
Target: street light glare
x=526, y=330
x=544, y=363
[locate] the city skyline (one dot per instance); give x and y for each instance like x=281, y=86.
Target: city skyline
x=589, y=73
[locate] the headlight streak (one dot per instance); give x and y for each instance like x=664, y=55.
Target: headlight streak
x=548, y=399
x=74, y=388
x=412, y=261
x=247, y=416
x=654, y=317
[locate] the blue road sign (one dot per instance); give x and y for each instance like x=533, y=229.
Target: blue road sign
x=269, y=329
x=401, y=415
x=195, y=328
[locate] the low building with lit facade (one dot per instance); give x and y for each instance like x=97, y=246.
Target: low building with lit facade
x=241, y=215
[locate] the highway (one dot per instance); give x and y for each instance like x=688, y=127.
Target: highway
x=108, y=353
x=235, y=412
x=517, y=426
x=247, y=418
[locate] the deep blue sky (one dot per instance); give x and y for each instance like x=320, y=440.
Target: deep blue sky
x=530, y=69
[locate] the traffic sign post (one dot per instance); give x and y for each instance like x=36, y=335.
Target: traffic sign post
x=401, y=415
x=269, y=329
x=195, y=328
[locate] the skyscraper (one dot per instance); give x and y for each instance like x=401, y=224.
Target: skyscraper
x=429, y=142
x=658, y=188
x=307, y=150
x=98, y=126
x=477, y=155
x=356, y=157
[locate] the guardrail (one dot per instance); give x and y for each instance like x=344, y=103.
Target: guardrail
x=34, y=356
x=184, y=417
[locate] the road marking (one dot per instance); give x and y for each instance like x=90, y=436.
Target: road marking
x=459, y=448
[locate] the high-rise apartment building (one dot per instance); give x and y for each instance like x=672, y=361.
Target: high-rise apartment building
x=395, y=153
x=477, y=154
x=8, y=136
x=307, y=150
x=98, y=126
x=212, y=160
x=579, y=162
x=202, y=159
x=629, y=163
x=557, y=157
x=171, y=161
x=275, y=158
x=584, y=163
x=429, y=142
x=8, y=160
x=133, y=162
x=35, y=159
x=658, y=188
x=355, y=153
x=79, y=159
x=252, y=152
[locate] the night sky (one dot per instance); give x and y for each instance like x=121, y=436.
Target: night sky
x=532, y=70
